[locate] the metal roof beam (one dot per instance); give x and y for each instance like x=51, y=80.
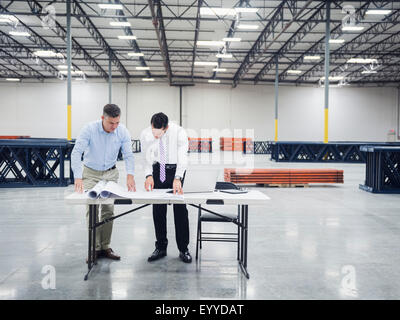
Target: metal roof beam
x=81, y=16
x=36, y=8
x=158, y=23
x=28, y=54
x=196, y=35
x=293, y=40
x=20, y=65
x=128, y=32
x=261, y=44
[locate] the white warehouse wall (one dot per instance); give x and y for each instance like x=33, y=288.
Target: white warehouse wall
x=355, y=114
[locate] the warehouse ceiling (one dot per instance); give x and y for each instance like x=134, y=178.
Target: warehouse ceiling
x=163, y=41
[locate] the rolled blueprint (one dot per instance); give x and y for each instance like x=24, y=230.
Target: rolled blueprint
x=96, y=190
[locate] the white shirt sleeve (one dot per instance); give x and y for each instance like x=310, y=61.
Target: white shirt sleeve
x=182, y=150
x=145, y=146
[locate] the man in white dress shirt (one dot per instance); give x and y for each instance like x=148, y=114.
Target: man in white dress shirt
x=165, y=146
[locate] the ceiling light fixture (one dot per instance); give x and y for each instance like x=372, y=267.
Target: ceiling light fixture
x=217, y=12
x=378, y=11
x=352, y=28
x=142, y=68
x=111, y=6
x=205, y=63
x=248, y=26
x=232, y=39
x=219, y=70
x=148, y=79
x=127, y=37
x=135, y=54
x=20, y=33
x=63, y=67
x=210, y=43
x=13, y=79
x=333, y=78
x=224, y=55
x=336, y=40
x=214, y=81
x=312, y=57
x=7, y=18
x=369, y=71
x=362, y=60
x=45, y=53
x=120, y=23
x=294, y=71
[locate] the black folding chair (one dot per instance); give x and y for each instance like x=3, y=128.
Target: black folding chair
x=206, y=215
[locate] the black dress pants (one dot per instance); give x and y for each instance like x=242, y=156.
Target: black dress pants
x=160, y=213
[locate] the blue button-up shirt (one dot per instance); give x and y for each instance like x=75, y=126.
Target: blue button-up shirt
x=101, y=149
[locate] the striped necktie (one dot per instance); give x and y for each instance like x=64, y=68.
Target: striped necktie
x=162, y=161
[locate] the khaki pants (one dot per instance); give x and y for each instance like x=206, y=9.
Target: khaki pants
x=90, y=178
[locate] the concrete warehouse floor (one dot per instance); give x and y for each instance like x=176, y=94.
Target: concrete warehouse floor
x=321, y=242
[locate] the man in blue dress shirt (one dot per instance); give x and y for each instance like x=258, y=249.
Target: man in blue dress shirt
x=100, y=142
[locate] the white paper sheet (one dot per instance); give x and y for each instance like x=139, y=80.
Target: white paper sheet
x=111, y=189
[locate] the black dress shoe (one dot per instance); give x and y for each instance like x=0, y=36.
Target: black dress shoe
x=185, y=257
x=157, y=254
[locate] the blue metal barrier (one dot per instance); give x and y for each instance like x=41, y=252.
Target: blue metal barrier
x=382, y=169
x=257, y=147
x=289, y=151
x=34, y=162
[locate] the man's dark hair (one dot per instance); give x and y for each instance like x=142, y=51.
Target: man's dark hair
x=111, y=110
x=159, y=121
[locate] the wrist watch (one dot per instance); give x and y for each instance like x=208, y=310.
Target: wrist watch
x=149, y=175
x=178, y=178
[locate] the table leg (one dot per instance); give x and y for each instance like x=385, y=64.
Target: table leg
x=243, y=240
x=92, y=238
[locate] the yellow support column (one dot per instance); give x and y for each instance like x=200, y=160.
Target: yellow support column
x=69, y=121
x=276, y=130
x=326, y=125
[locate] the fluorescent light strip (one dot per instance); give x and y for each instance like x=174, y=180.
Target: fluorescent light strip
x=142, y=68
x=294, y=71
x=248, y=26
x=45, y=53
x=232, y=39
x=312, y=57
x=362, y=60
x=217, y=12
x=205, y=63
x=219, y=70
x=135, y=54
x=77, y=72
x=369, y=71
x=336, y=40
x=120, y=23
x=333, y=78
x=20, y=33
x=352, y=28
x=223, y=55
x=127, y=37
x=110, y=6
x=214, y=81
x=13, y=79
x=148, y=79
x=63, y=67
x=8, y=18
x=378, y=11
x=210, y=43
